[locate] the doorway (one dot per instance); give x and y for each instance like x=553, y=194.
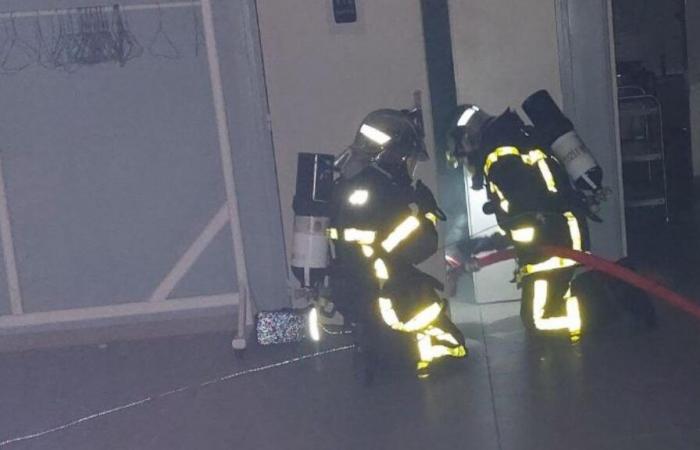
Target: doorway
x=652, y=69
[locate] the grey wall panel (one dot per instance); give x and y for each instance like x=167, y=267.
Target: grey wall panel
x=211, y=274
x=587, y=79
x=443, y=96
x=4, y=294
x=251, y=140
x=112, y=172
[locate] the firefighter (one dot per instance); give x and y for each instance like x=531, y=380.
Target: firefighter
x=535, y=204
x=382, y=225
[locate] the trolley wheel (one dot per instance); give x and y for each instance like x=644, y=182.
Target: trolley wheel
x=239, y=347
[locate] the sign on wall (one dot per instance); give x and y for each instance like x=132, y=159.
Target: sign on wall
x=344, y=11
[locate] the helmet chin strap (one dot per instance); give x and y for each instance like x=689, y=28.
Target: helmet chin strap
x=411, y=164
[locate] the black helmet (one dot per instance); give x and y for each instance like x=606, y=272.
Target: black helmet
x=465, y=132
x=391, y=136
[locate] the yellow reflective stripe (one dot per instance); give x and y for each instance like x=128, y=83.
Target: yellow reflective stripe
x=441, y=350
x=572, y=311
x=539, y=299
x=429, y=352
x=423, y=318
x=571, y=321
x=388, y=314
x=555, y=262
x=458, y=352
x=358, y=197
x=574, y=231
x=401, y=232
x=314, y=332
x=422, y=365
x=526, y=234
x=533, y=157
x=332, y=233
x=359, y=236
x=367, y=251
x=441, y=335
x=552, y=323
x=433, y=331
x=547, y=175
x=438, y=351
x=505, y=205
x=540, y=158
x=380, y=270
x=494, y=155
x=432, y=217
x=418, y=322
x=501, y=231
x=425, y=349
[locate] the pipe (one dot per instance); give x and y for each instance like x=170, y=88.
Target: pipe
x=655, y=289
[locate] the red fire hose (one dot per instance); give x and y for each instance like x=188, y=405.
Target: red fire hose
x=602, y=265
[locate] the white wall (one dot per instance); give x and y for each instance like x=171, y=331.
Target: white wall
x=323, y=78
x=504, y=51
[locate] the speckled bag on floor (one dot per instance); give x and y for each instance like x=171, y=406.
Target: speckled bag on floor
x=280, y=327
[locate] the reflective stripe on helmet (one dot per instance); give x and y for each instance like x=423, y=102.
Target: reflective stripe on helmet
x=374, y=134
x=467, y=115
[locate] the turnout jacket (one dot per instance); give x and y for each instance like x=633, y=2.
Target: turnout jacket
x=531, y=195
x=382, y=227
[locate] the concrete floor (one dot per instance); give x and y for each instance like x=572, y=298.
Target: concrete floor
x=621, y=389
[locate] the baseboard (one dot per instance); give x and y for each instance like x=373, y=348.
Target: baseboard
x=94, y=326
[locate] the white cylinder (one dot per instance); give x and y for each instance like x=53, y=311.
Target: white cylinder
x=310, y=244
x=573, y=154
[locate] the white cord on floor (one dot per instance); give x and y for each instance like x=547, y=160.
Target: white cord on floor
x=334, y=333
x=175, y=391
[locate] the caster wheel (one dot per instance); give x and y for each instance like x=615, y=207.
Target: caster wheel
x=239, y=347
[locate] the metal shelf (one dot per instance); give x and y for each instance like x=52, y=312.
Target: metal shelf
x=657, y=201
x=641, y=151
x=642, y=145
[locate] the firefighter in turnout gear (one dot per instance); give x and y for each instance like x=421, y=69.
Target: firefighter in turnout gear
x=382, y=225
x=535, y=204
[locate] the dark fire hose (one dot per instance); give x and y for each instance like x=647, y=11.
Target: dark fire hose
x=614, y=270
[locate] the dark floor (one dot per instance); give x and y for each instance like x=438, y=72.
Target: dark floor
x=622, y=389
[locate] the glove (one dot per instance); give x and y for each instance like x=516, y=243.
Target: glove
x=425, y=200
x=454, y=273
x=471, y=265
x=458, y=263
